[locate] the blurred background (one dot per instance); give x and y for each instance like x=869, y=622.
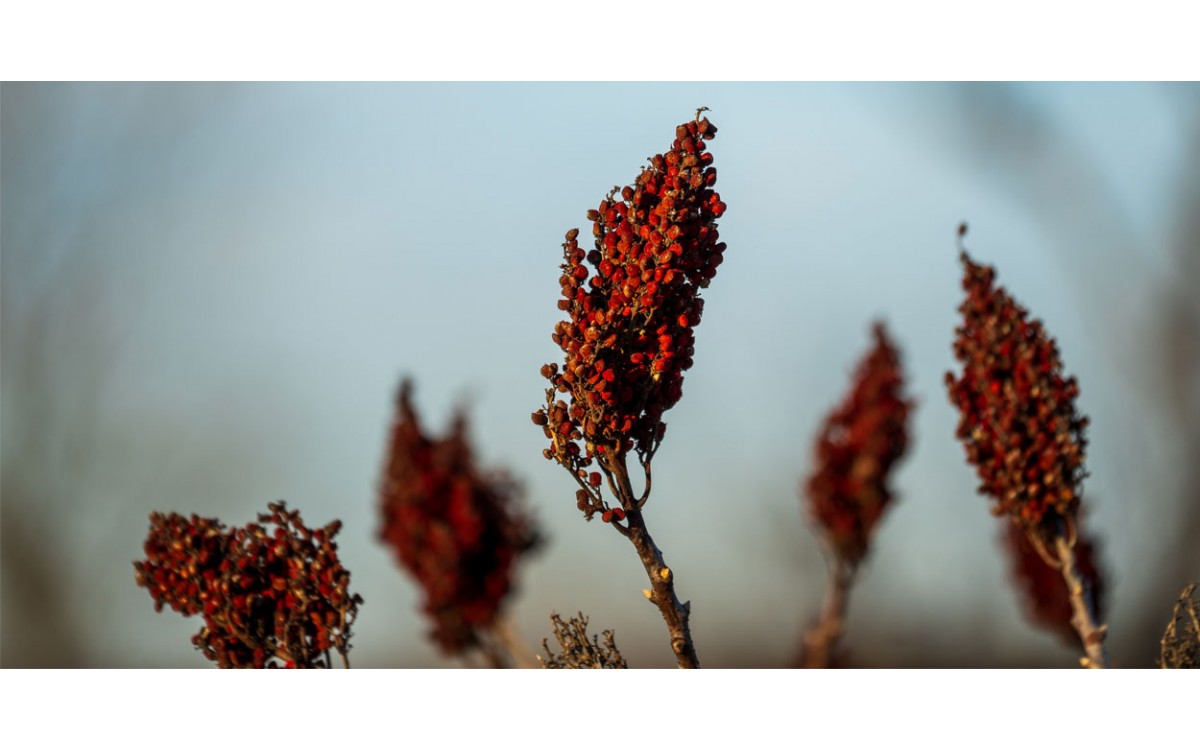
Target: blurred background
x=210, y=294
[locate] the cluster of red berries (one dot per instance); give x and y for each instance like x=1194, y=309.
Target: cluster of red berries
x=1046, y=599
x=455, y=530
x=1017, y=411
x=855, y=450
x=632, y=302
x=269, y=597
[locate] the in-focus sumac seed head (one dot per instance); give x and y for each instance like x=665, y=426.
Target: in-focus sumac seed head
x=859, y=443
x=267, y=597
x=629, y=332
x=1047, y=603
x=457, y=530
x=1017, y=416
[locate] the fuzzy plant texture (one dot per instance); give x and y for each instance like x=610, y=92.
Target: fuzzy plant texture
x=459, y=531
x=860, y=441
x=1017, y=415
x=271, y=593
x=632, y=303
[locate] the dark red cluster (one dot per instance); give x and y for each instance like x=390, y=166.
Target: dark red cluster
x=271, y=593
x=1017, y=411
x=1043, y=590
x=855, y=451
x=632, y=303
x=457, y=531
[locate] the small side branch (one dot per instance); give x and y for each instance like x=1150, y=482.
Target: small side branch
x=1083, y=607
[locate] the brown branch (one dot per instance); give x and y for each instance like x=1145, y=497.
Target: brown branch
x=509, y=638
x=495, y=656
x=1083, y=606
x=662, y=582
x=822, y=638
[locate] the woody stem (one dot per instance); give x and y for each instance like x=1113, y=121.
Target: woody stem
x=508, y=638
x=821, y=639
x=493, y=654
x=662, y=581
x=1083, y=607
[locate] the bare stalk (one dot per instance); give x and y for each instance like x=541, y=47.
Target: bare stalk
x=662, y=581
x=493, y=654
x=822, y=638
x=509, y=639
x=1083, y=607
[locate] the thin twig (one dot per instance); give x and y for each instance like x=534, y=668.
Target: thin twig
x=645, y=490
x=1083, y=607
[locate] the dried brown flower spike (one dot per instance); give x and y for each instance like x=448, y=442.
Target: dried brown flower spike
x=1181, y=641
x=1021, y=431
x=848, y=492
x=578, y=651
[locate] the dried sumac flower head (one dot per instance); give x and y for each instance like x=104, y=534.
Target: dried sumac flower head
x=858, y=445
x=458, y=531
x=271, y=593
x=632, y=304
x=1017, y=416
x=1047, y=603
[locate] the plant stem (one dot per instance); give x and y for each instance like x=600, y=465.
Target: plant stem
x=509, y=639
x=1083, y=607
x=821, y=639
x=662, y=586
x=494, y=654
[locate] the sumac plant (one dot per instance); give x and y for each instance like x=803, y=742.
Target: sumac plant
x=1023, y=434
x=632, y=303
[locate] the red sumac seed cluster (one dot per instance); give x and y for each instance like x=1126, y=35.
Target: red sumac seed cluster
x=855, y=451
x=457, y=531
x=1017, y=416
x=632, y=304
x=271, y=593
